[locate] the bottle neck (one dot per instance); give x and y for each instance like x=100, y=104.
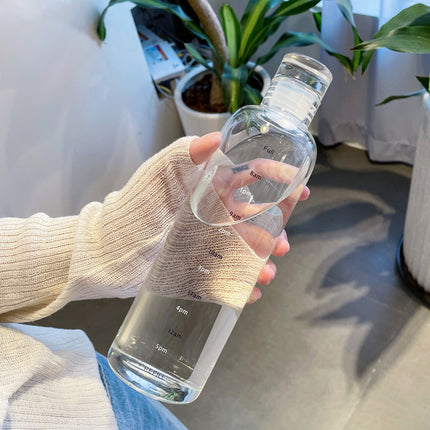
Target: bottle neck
x=298, y=87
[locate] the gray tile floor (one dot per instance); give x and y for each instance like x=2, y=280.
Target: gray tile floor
x=336, y=342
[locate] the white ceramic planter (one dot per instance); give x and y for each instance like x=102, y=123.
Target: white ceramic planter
x=416, y=238
x=197, y=123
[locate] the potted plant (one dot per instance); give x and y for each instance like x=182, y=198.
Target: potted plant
x=409, y=31
x=232, y=43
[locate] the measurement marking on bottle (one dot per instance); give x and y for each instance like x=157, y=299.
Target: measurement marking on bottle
x=215, y=254
x=152, y=372
x=254, y=175
x=239, y=168
x=174, y=333
x=268, y=149
x=194, y=295
x=235, y=216
x=244, y=192
x=181, y=310
x=161, y=349
x=203, y=270
x=222, y=231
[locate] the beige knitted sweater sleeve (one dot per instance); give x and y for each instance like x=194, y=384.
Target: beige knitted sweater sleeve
x=109, y=249
x=105, y=251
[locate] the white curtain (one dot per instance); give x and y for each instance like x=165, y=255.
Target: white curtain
x=349, y=112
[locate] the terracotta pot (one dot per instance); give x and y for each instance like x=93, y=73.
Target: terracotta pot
x=197, y=123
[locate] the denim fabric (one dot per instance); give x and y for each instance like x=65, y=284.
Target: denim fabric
x=134, y=411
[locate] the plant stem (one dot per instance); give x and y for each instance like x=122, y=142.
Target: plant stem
x=213, y=29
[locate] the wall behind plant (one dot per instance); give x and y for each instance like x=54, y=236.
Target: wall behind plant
x=77, y=117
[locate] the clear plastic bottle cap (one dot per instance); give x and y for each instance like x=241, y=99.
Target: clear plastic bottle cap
x=298, y=86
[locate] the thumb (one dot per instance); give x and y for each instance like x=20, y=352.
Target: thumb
x=203, y=147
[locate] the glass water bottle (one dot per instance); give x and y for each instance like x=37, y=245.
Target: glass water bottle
x=167, y=347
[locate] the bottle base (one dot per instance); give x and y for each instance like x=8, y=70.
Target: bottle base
x=150, y=381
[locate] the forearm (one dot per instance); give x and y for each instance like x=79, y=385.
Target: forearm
x=105, y=251
x=35, y=256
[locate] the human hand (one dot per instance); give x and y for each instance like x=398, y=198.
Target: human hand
x=200, y=151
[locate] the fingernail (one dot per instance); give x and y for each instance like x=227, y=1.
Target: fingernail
x=254, y=296
x=306, y=191
x=271, y=272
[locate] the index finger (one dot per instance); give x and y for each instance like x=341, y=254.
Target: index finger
x=289, y=203
x=203, y=147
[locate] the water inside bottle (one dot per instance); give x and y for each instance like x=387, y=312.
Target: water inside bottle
x=166, y=348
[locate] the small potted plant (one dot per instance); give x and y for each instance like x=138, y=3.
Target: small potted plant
x=409, y=31
x=232, y=43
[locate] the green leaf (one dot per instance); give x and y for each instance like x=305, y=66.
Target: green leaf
x=294, y=7
x=231, y=27
x=268, y=28
x=251, y=96
x=249, y=8
x=265, y=26
x=317, y=19
x=153, y=4
x=251, y=5
x=199, y=58
x=345, y=8
x=357, y=56
x=366, y=56
x=422, y=20
x=343, y=60
x=404, y=18
x=233, y=83
x=101, y=28
x=303, y=39
x=425, y=82
x=272, y=22
x=159, y=4
x=399, y=97
x=253, y=23
x=415, y=40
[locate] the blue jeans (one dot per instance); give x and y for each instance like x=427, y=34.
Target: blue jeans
x=134, y=411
